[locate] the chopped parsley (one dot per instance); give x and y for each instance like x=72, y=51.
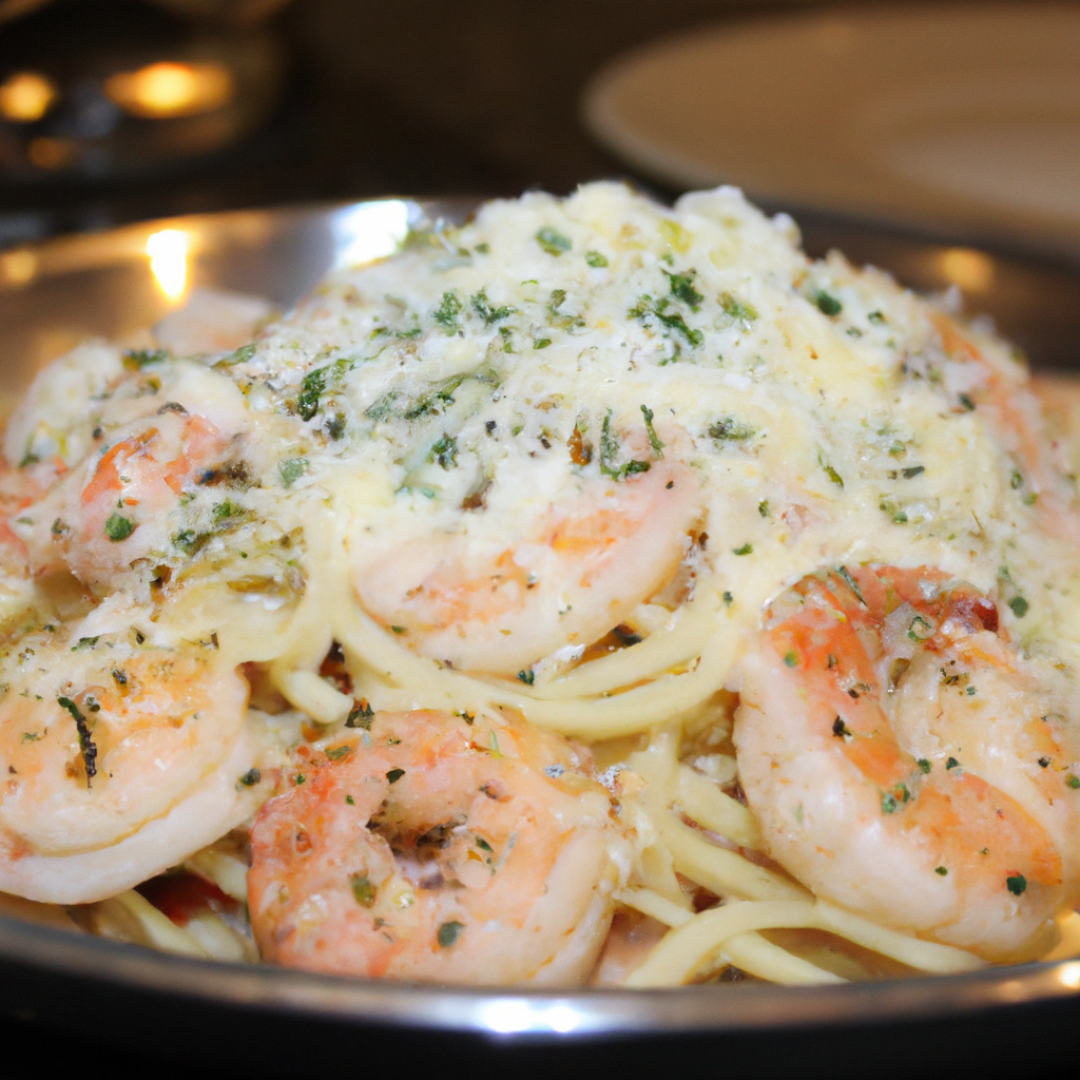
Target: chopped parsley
x=727, y=428
x=527, y=676
x=682, y=287
x=335, y=753
x=1019, y=606
x=362, y=889
x=486, y=312
x=654, y=440
x=394, y=775
x=840, y=729
x=360, y=716
x=609, y=451
x=595, y=259
x=446, y=314
x=86, y=742
x=307, y=402
x=449, y=933
x=291, y=470
x=137, y=359
x=826, y=303
x=738, y=311
x=251, y=777
x=119, y=528
x=240, y=356
x=553, y=241
x=1016, y=884
x=746, y=549
x=444, y=452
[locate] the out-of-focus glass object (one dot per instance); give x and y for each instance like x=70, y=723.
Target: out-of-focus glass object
x=109, y=88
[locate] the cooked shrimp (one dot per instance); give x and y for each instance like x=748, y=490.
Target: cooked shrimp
x=439, y=848
x=114, y=508
x=498, y=600
x=120, y=759
x=905, y=762
x=1005, y=397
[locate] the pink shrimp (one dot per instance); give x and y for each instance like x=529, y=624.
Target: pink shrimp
x=439, y=848
x=904, y=761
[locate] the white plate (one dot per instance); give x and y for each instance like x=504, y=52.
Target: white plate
x=966, y=117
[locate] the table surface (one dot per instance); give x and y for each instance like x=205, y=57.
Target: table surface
x=476, y=97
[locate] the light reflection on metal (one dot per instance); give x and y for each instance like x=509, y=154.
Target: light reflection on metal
x=970, y=270
x=168, y=251
x=165, y=90
x=371, y=231
x=508, y=1016
x=26, y=97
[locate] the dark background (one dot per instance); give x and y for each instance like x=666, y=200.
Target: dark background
x=417, y=97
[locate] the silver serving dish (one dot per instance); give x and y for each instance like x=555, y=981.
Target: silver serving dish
x=270, y=1021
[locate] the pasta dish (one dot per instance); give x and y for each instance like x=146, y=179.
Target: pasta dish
x=593, y=593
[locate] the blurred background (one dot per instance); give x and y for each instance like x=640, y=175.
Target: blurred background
x=916, y=135
x=960, y=118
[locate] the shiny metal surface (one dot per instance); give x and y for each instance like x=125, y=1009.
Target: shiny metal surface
x=115, y=283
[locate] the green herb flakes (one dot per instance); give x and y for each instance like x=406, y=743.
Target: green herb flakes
x=449, y=933
x=362, y=889
x=335, y=753
x=552, y=241
x=119, y=528
x=596, y=260
x=446, y=314
x=1019, y=606
x=251, y=777
x=394, y=775
x=291, y=470
x=827, y=304
x=682, y=288
x=307, y=402
x=746, y=549
x=1016, y=884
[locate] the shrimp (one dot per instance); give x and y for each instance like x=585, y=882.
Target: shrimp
x=114, y=508
x=904, y=761
x=497, y=603
x=120, y=758
x=1004, y=395
x=439, y=847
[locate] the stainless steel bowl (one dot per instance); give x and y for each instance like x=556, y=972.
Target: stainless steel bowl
x=270, y=1021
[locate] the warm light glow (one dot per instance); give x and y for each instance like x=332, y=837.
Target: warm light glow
x=19, y=266
x=168, y=251
x=47, y=153
x=164, y=90
x=1069, y=976
x=972, y=271
x=26, y=97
